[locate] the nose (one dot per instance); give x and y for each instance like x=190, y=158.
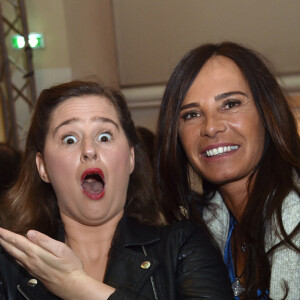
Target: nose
x=89, y=151
x=212, y=125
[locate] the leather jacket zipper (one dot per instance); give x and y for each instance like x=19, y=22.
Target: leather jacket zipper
x=151, y=277
x=22, y=293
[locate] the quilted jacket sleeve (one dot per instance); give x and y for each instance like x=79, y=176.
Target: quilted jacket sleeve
x=126, y=294
x=201, y=273
x=188, y=266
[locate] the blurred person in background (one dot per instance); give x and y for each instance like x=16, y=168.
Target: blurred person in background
x=10, y=161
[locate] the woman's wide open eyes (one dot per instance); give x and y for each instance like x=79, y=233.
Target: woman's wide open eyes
x=104, y=137
x=70, y=139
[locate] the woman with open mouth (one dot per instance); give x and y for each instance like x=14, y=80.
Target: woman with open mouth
x=86, y=182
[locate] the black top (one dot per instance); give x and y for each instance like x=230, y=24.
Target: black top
x=171, y=262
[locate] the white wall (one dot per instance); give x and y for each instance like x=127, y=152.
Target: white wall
x=153, y=35
x=79, y=41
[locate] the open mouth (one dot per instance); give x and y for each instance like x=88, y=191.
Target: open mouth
x=92, y=183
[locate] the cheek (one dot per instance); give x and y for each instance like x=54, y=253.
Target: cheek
x=187, y=138
x=119, y=170
x=58, y=166
x=119, y=161
x=255, y=131
x=259, y=138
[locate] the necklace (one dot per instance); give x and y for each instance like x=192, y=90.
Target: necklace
x=237, y=287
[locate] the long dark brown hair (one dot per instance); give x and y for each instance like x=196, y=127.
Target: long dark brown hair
x=275, y=176
x=31, y=203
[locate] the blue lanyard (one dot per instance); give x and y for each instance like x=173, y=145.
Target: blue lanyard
x=228, y=257
x=228, y=253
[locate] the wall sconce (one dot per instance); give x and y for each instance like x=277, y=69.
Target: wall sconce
x=35, y=40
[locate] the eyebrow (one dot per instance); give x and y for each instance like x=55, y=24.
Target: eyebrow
x=75, y=120
x=190, y=105
x=228, y=94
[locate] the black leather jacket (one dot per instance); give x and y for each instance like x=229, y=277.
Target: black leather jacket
x=171, y=262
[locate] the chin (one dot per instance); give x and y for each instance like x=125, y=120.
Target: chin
x=220, y=180
x=93, y=221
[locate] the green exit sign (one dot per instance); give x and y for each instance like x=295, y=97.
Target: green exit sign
x=35, y=40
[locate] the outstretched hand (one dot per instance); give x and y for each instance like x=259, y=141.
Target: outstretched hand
x=50, y=261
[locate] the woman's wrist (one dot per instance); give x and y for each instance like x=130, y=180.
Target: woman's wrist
x=80, y=286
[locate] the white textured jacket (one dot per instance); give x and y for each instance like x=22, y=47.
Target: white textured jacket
x=285, y=262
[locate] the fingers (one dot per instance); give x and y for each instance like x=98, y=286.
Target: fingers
x=55, y=247
x=22, y=249
x=18, y=245
x=12, y=250
x=48, y=260
x=14, y=244
x=58, y=255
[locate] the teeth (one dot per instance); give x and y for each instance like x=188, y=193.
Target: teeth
x=220, y=150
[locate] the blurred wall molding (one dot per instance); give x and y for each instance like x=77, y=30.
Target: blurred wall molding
x=291, y=82
x=144, y=96
x=150, y=96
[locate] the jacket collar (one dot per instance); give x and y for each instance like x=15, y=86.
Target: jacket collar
x=129, y=263
x=130, y=232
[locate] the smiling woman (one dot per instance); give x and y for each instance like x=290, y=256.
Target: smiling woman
x=87, y=182
x=224, y=116
x=220, y=128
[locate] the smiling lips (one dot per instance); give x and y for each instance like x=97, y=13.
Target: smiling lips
x=92, y=183
x=219, y=150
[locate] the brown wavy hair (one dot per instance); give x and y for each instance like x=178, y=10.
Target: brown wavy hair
x=275, y=175
x=31, y=203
